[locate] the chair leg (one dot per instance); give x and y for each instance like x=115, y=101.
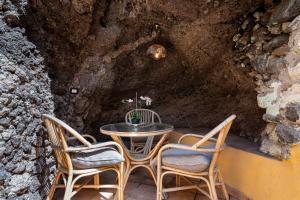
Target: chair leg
x=178, y=181
x=223, y=185
x=159, y=185
x=52, y=189
x=97, y=180
x=68, y=190
x=213, y=187
x=121, y=182
x=131, y=145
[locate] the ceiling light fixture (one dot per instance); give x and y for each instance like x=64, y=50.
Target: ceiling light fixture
x=157, y=51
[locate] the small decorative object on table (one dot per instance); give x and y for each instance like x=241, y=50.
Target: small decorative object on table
x=138, y=103
x=136, y=118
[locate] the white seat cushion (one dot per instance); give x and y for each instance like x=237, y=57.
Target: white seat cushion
x=187, y=160
x=96, y=159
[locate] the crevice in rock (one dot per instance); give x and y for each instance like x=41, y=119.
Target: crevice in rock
x=103, y=19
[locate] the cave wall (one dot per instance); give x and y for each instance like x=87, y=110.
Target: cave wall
x=100, y=48
x=25, y=155
x=269, y=44
x=220, y=55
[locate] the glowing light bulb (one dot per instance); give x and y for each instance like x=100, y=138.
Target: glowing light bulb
x=157, y=51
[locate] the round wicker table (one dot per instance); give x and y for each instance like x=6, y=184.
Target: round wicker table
x=135, y=160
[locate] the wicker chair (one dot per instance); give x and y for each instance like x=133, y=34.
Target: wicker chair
x=86, y=160
x=198, y=162
x=142, y=145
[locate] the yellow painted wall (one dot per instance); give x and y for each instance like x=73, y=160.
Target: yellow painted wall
x=259, y=177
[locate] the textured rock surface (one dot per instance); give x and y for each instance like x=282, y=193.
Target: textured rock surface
x=24, y=97
x=288, y=134
x=218, y=54
x=275, y=57
x=285, y=11
x=293, y=112
x=103, y=53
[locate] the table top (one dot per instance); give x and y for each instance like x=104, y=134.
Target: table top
x=129, y=130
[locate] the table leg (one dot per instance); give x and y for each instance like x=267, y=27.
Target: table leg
x=144, y=163
x=127, y=172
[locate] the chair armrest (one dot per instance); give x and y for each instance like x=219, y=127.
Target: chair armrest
x=95, y=147
x=85, y=136
x=195, y=135
x=201, y=136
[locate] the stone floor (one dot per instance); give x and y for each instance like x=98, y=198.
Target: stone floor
x=139, y=187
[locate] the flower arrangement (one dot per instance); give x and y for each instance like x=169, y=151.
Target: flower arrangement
x=135, y=104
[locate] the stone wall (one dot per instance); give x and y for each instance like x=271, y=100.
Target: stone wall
x=269, y=46
x=24, y=96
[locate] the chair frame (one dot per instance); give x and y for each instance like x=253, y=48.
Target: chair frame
x=147, y=116
x=212, y=176
x=57, y=130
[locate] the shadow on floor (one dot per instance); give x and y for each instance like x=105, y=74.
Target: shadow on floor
x=139, y=187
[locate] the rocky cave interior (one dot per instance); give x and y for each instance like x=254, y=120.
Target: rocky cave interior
x=223, y=57
x=100, y=48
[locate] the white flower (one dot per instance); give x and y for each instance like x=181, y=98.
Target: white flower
x=127, y=101
x=148, y=101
